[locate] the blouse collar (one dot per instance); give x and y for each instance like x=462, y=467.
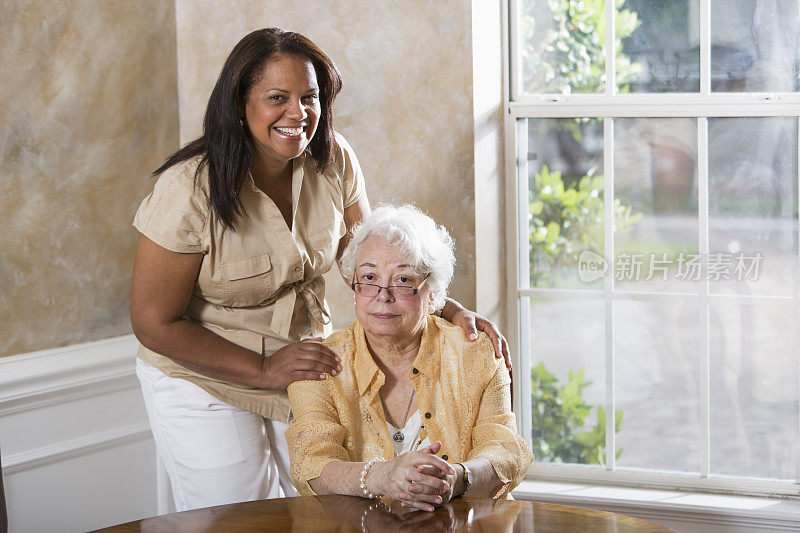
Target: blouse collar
x=369, y=377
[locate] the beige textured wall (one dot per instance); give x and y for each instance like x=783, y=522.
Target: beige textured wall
x=88, y=108
x=406, y=107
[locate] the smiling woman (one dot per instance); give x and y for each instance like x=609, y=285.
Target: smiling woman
x=235, y=237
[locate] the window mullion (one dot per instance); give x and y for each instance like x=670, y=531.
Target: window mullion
x=797, y=311
x=523, y=281
x=622, y=106
x=523, y=267
x=705, y=46
x=608, y=252
x=610, y=46
x=524, y=387
x=705, y=312
x=515, y=57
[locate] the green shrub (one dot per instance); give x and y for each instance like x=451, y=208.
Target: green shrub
x=559, y=414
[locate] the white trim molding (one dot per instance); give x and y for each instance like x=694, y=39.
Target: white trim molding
x=61, y=451
x=38, y=379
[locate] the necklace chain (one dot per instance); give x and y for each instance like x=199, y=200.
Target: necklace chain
x=408, y=407
x=398, y=436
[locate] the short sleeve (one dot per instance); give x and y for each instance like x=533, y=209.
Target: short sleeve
x=174, y=215
x=353, y=187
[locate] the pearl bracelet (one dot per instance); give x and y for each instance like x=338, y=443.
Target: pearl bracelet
x=363, y=479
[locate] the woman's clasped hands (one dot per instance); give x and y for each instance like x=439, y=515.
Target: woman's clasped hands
x=419, y=479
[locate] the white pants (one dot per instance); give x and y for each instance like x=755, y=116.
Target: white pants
x=214, y=453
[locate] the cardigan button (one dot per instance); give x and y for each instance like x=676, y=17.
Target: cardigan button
x=414, y=371
x=427, y=415
x=445, y=457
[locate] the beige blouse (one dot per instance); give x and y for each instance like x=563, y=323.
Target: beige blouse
x=463, y=394
x=260, y=287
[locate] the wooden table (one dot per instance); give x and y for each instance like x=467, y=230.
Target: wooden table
x=348, y=513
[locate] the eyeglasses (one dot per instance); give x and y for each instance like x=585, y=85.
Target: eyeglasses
x=399, y=292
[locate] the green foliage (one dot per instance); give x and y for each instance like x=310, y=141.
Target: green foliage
x=569, y=56
x=565, y=220
x=559, y=413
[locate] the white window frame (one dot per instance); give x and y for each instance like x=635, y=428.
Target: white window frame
x=702, y=105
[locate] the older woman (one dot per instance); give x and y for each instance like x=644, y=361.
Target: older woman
x=418, y=413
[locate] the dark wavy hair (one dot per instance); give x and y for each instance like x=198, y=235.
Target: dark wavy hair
x=225, y=145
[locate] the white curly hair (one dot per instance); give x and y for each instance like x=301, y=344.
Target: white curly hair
x=428, y=248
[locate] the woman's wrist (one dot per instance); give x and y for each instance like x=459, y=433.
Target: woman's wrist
x=450, y=308
x=444, y=309
x=458, y=483
x=266, y=378
x=369, y=480
x=262, y=380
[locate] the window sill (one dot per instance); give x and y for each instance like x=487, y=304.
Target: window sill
x=670, y=508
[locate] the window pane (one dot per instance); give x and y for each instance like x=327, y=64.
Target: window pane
x=755, y=361
x=753, y=205
x=660, y=47
x=655, y=188
x=562, y=46
x=568, y=376
x=565, y=181
x=755, y=45
x=657, y=385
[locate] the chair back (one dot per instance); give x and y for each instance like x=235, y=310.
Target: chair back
x=3, y=512
x=511, y=375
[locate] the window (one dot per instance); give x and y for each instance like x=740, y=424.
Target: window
x=656, y=307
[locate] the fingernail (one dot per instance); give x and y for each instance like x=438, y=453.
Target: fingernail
x=322, y=376
x=472, y=336
x=339, y=368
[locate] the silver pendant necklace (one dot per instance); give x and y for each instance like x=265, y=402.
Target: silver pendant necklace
x=398, y=436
